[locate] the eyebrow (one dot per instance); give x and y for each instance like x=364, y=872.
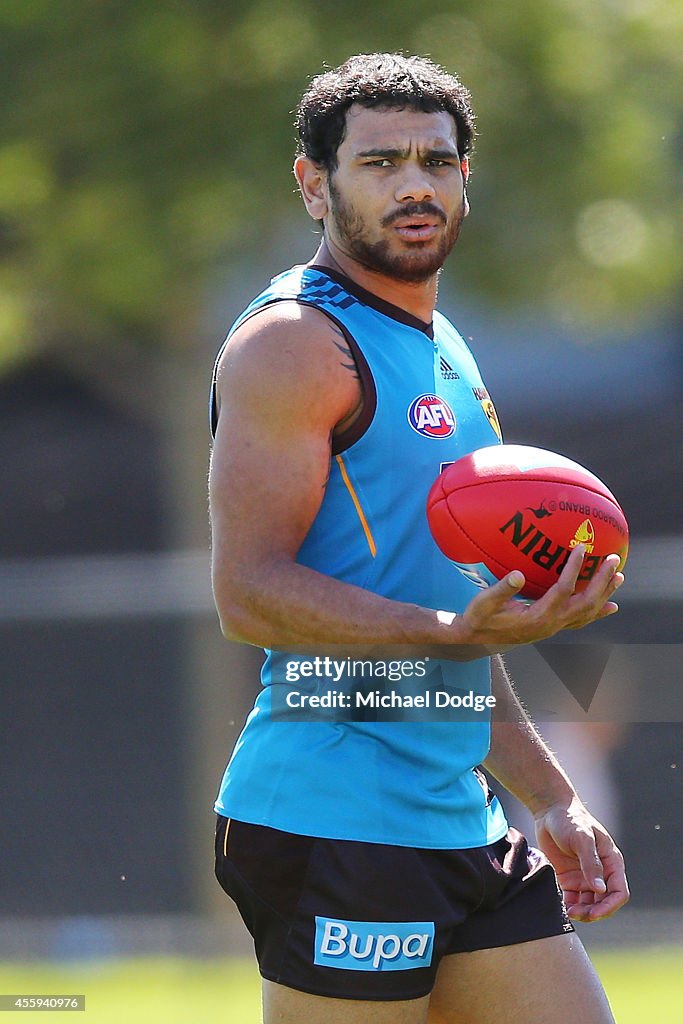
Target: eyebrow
x=403, y=154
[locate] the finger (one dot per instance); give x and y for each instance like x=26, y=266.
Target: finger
x=609, y=608
x=578, y=903
x=593, y=602
x=606, y=906
x=579, y=912
x=614, y=867
x=617, y=581
x=566, y=581
x=617, y=884
x=590, y=863
x=565, y=586
x=607, y=579
x=611, y=586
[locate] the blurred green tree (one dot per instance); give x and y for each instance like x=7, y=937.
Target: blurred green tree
x=145, y=142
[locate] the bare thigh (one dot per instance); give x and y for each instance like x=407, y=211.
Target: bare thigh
x=547, y=981
x=282, y=1005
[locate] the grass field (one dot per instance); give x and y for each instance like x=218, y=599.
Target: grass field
x=645, y=987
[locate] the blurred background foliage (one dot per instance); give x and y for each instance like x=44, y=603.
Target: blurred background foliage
x=146, y=143
x=145, y=195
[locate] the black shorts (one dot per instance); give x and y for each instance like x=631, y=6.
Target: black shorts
x=357, y=920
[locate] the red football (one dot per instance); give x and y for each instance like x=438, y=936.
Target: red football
x=515, y=507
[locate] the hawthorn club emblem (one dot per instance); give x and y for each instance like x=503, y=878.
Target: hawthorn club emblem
x=492, y=417
x=584, y=535
x=488, y=408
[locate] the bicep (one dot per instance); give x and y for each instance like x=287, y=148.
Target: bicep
x=281, y=392
x=266, y=484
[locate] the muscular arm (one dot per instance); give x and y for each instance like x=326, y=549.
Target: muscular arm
x=589, y=866
x=283, y=386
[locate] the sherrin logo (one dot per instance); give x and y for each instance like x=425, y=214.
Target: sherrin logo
x=373, y=945
x=431, y=416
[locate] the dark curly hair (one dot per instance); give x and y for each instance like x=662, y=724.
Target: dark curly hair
x=377, y=80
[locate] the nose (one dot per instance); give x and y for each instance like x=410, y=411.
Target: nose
x=414, y=185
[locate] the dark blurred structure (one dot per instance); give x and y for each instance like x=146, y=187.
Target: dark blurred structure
x=632, y=440
x=91, y=710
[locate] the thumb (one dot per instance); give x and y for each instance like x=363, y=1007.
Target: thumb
x=514, y=579
x=509, y=585
x=488, y=600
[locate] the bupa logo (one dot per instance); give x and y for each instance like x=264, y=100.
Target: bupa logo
x=373, y=945
x=431, y=416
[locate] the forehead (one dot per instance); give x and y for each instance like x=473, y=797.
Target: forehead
x=377, y=127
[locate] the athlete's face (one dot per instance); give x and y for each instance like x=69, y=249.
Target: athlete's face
x=397, y=197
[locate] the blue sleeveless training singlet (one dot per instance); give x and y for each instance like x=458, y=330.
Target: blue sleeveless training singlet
x=406, y=783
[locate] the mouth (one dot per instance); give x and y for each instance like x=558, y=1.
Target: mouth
x=418, y=228
x=416, y=232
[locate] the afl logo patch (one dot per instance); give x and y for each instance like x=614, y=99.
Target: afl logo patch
x=431, y=416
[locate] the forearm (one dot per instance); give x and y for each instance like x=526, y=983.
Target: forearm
x=518, y=757
x=284, y=604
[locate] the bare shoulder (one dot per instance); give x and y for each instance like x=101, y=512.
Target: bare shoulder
x=289, y=347
x=282, y=389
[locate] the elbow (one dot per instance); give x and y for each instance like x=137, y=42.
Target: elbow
x=246, y=602
x=237, y=617
x=235, y=623
x=230, y=627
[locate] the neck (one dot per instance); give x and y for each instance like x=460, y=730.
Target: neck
x=418, y=299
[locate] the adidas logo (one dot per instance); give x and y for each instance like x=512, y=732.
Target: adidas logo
x=447, y=371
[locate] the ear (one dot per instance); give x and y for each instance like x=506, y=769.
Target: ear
x=465, y=168
x=312, y=179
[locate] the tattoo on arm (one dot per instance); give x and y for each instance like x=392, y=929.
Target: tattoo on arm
x=343, y=347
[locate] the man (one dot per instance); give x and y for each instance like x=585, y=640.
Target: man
x=367, y=857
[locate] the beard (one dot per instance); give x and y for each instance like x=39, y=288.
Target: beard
x=415, y=265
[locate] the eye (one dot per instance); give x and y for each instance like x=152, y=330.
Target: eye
x=380, y=162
